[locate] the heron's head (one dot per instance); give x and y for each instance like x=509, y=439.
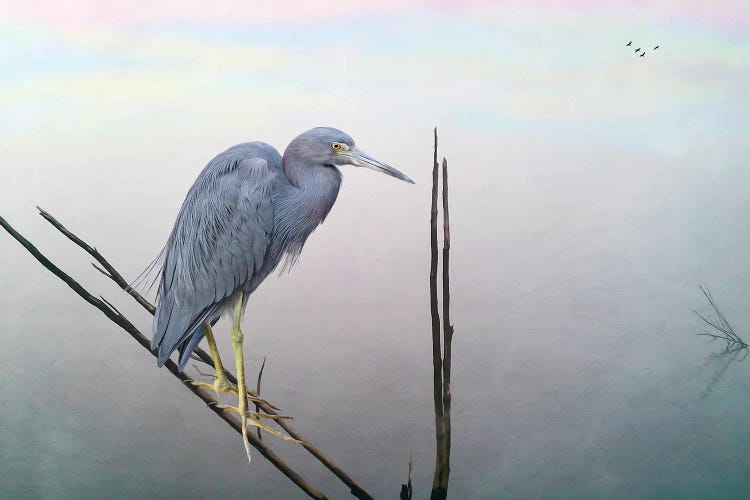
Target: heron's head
x=329, y=147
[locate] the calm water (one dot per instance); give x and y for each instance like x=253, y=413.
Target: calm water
x=579, y=241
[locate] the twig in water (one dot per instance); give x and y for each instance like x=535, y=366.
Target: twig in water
x=720, y=323
x=734, y=344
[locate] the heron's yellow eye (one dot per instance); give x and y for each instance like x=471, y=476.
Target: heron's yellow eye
x=336, y=146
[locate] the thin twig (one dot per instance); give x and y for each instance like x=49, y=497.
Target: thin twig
x=126, y=325
x=733, y=342
x=720, y=323
x=111, y=272
x=406, y=489
x=201, y=355
x=719, y=314
x=257, y=391
x=204, y=374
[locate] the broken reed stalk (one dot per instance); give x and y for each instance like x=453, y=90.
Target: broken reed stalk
x=437, y=359
x=447, y=327
x=114, y=315
x=441, y=361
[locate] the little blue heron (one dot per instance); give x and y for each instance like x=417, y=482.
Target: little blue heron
x=248, y=209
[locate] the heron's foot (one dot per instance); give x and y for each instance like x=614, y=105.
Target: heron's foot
x=220, y=386
x=224, y=386
x=254, y=419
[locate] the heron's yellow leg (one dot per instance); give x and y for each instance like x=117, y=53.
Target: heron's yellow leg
x=248, y=417
x=221, y=385
x=239, y=361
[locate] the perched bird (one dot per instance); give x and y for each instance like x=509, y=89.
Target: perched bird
x=629, y=43
x=637, y=50
x=643, y=53
x=248, y=209
x=657, y=47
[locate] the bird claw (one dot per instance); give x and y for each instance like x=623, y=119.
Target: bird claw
x=252, y=414
x=253, y=418
x=220, y=386
x=223, y=386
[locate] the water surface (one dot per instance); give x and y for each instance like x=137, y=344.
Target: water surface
x=590, y=194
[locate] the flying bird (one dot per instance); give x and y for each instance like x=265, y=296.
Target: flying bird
x=248, y=209
x=637, y=50
x=629, y=43
x=657, y=47
x=643, y=53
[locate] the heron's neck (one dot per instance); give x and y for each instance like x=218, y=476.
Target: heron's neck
x=301, y=206
x=317, y=189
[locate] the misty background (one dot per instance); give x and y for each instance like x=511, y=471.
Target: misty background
x=591, y=192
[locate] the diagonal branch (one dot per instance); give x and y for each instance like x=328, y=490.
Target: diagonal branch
x=126, y=325
x=109, y=271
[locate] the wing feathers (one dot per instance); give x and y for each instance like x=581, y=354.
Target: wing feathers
x=217, y=245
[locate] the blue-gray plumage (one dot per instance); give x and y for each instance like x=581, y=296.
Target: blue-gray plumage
x=218, y=245
x=248, y=209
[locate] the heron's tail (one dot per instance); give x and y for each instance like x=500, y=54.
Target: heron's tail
x=175, y=328
x=187, y=347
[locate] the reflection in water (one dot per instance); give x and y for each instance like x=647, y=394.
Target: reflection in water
x=727, y=358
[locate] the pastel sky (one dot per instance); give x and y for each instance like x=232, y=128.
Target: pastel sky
x=519, y=67
x=102, y=12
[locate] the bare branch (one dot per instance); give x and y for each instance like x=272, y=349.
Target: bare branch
x=113, y=274
x=126, y=325
x=202, y=356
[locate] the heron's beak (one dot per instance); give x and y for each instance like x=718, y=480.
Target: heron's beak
x=361, y=159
